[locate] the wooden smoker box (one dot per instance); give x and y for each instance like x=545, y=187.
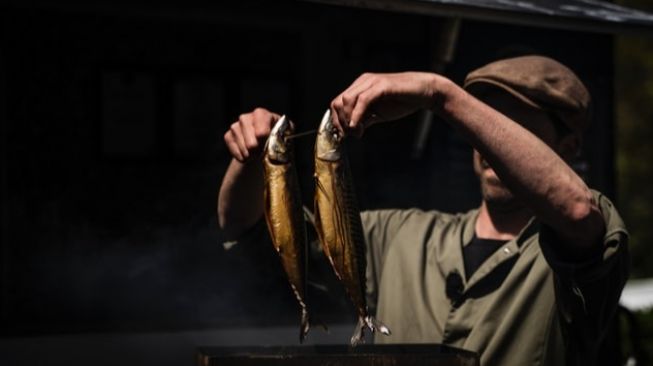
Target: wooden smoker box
x=338, y=355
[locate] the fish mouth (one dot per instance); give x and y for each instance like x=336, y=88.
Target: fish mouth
x=280, y=126
x=278, y=147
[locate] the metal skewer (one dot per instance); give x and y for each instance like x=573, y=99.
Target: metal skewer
x=301, y=134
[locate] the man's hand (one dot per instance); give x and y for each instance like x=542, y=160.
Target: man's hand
x=240, y=202
x=376, y=98
x=246, y=136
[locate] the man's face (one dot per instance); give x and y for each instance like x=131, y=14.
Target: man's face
x=494, y=192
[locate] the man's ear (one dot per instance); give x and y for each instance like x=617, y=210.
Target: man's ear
x=569, y=147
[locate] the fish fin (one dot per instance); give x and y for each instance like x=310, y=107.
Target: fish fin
x=359, y=336
x=320, y=234
x=308, y=216
x=317, y=286
x=268, y=222
x=319, y=186
x=305, y=326
x=323, y=326
x=374, y=324
x=227, y=245
x=318, y=229
x=306, y=323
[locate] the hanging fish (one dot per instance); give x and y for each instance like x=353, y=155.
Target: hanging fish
x=284, y=214
x=338, y=222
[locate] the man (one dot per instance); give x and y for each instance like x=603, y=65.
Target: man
x=531, y=277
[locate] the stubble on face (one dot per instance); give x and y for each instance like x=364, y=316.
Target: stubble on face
x=495, y=194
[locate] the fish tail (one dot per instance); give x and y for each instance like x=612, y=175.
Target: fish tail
x=376, y=325
x=358, y=336
x=323, y=326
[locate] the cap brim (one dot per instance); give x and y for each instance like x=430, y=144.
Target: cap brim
x=471, y=85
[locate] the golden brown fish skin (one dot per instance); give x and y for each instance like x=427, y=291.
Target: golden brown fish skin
x=284, y=213
x=340, y=231
x=338, y=223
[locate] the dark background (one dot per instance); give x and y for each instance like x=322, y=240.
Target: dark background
x=112, y=119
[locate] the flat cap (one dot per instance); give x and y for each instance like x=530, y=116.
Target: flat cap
x=540, y=82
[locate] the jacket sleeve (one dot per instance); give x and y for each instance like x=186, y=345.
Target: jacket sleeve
x=587, y=293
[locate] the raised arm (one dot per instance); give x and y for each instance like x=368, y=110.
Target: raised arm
x=525, y=164
x=531, y=169
x=240, y=201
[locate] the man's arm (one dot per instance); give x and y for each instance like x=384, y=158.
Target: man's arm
x=526, y=165
x=530, y=169
x=240, y=201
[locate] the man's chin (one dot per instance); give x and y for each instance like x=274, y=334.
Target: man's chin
x=502, y=203
x=500, y=199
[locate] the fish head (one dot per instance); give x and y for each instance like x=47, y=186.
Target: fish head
x=329, y=139
x=278, y=148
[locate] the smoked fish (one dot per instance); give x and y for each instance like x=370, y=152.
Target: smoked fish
x=338, y=222
x=284, y=214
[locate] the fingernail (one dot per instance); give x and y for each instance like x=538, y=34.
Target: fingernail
x=351, y=123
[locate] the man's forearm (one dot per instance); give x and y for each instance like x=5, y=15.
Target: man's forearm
x=240, y=201
x=526, y=165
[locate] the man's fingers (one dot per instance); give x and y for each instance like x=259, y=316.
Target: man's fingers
x=350, y=98
x=249, y=134
x=233, y=146
x=343, y=105
x=340, y=113
x=262, y=128
x=263, y=122
x=335, y=105
x=245, y=135
x=239, y=139
x=348, y=102
x=361, y=111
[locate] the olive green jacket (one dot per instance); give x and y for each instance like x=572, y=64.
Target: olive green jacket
x=525, y=305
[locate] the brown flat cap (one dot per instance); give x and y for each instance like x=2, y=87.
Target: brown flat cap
x=540, y=82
